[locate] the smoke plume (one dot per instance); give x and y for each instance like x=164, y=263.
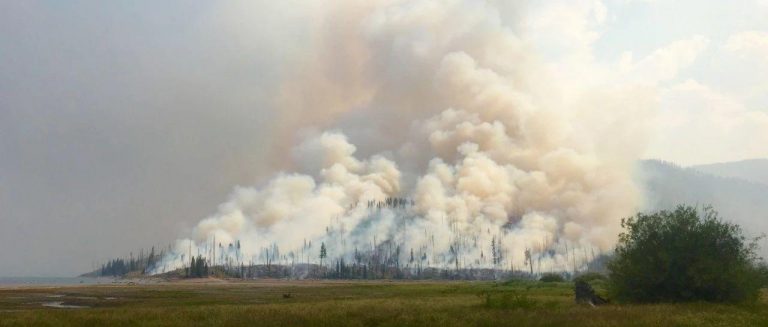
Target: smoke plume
x=434, y=126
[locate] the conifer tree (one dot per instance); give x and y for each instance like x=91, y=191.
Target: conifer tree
x=323, y=253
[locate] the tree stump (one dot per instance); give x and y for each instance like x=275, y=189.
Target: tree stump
x=586, y=294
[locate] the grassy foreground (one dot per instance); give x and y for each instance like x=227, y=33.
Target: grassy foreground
x=381, y=303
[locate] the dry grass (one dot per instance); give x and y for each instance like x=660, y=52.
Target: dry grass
x=350, y=304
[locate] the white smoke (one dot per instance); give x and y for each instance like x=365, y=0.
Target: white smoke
x=460, y=118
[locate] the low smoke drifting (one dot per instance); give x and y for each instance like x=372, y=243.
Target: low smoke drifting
x=469, y=149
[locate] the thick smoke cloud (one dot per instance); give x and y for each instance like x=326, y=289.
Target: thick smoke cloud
x=442, y=104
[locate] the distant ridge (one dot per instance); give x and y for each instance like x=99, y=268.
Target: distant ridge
x=753, y=170
x=740, y=200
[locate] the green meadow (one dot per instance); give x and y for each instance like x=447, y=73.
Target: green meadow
x=346, y=303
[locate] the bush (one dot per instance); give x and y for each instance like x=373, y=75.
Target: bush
x=683, y=255
x=763, y=271
x=590, y=277
x=551, y=278
x=516, y=281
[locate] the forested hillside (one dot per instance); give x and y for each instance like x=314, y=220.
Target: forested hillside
x=754, y=170
x=737, y=199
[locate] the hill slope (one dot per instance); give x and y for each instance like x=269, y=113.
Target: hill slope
x=737, y=200
x=754, y=170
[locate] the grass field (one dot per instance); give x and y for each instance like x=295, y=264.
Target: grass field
x=380, y=303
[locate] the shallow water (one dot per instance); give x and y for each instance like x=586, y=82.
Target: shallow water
x=61, y=305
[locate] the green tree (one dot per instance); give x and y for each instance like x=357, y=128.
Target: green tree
x=493, y=250
x=552, y=278
x=683, y=255
x=323, y=253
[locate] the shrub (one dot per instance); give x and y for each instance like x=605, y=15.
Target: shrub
x=763, y=272
x=683, y=255
x=590, y=277
x=551, y=278
x=516, y=281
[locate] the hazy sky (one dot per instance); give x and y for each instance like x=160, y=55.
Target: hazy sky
x=122, y=124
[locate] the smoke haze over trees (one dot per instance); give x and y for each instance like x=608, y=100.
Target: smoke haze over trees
x=737, y=200
x=755, y=170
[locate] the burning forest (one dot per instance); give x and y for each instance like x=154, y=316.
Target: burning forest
x=418, y=155
x=385, y=258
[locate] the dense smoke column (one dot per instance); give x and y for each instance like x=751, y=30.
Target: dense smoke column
x=474, y=162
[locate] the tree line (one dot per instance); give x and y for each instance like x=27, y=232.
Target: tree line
x=142, y=264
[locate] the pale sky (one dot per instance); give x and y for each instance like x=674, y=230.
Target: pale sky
x=122, y=124
x=708, y=59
